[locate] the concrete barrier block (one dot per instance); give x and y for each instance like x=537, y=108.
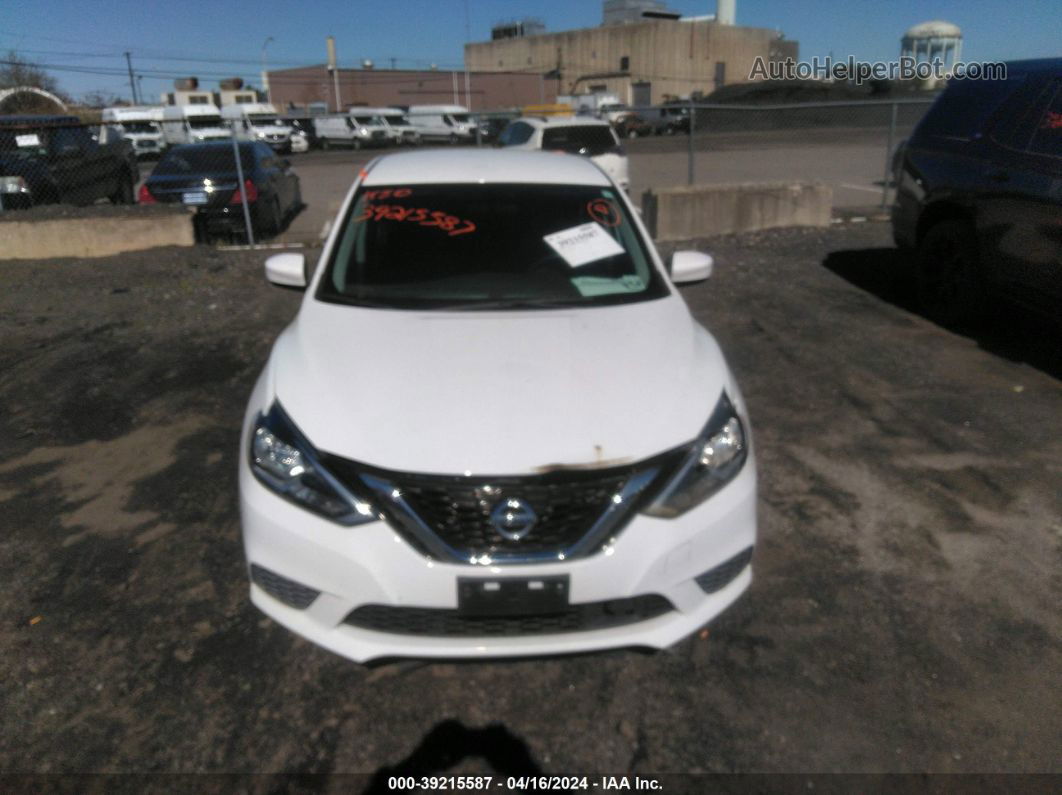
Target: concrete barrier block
x=86, y=232
x=704, y=210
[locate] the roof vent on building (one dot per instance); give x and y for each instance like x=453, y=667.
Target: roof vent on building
x=517, y=29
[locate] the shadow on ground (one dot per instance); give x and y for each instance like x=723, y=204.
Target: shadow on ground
x=450, y=742
x=1011, y=332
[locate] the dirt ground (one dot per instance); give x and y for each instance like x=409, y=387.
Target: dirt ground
x=904, y=615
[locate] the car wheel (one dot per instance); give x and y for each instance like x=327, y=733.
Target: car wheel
x=949, y=286
x=124, y=193
x=453, y=139
x=632, y=133
x=357, y=144
x=325, y=144
x=276, y=217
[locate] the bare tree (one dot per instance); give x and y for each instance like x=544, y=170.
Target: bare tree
x=15, y=72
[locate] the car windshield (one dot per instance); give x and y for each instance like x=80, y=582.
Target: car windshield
x=139, y=126
x=202, y=122
x=397, y=120
x=261, y=119
x=366, y=120
x=460, y=118
x=23, y=142
x=579, y=140
x=489, y=247
x=203, y=160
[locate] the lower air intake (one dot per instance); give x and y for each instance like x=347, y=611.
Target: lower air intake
x=287, y=591
x=715, y=579
x=433, y=622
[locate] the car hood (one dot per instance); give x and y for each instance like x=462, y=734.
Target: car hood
x=498, y=392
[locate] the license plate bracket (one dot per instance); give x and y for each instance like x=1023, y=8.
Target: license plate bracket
x=512, y=596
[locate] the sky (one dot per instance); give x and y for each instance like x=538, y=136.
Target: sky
x=223, y=38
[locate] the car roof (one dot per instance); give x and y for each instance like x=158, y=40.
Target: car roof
x=38, y=121
x=207, y=146
x=563, y=121
x=496, y=166
x=1034, y=65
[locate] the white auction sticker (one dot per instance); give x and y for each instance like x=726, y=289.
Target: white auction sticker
x=27, y=140
x=583, y=244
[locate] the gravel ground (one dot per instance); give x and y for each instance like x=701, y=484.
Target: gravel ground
x=904, y=615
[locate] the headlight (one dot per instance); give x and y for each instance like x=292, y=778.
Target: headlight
x=285, y=462
x=13, y=185
x=713, y=461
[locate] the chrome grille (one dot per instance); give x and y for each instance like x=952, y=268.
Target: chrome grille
x=449, y=517
x=460, y=513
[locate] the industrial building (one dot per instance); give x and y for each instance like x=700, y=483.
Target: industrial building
x=643, y=52
x=342, y=88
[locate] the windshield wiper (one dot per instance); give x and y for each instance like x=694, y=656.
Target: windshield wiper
x=506, y=303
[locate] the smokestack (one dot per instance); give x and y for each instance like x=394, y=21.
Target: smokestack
x=331, y=52
x=725, y=11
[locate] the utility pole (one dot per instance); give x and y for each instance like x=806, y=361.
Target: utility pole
x=132, y=82
x=265, y=71
x=468, y=38
x=333, y=68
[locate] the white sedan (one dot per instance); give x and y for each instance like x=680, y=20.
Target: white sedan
x=494, y=428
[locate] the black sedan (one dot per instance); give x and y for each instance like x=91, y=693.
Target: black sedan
x=979, y=195
x=205, y=177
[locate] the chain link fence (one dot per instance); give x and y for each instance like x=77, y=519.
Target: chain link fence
x=236, y=174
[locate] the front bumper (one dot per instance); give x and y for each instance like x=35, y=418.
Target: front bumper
x=371, y=564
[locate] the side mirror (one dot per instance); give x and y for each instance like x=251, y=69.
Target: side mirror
x=287, y=270
x=690, y=266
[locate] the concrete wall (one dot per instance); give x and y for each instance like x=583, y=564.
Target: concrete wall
x=92, y=235
x=676, y=57
x=706, y=210
x=385, y=87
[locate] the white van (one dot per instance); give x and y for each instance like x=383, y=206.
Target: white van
x=443, y=123
x=193, y=124
x=356, y=129
x=258, y=121
x=140, y=125
x=399, y=130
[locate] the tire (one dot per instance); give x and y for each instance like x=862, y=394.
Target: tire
x=632, y=133
x=325, y=144
x=276, y=218
x=453, y=139
x=124, y=193
x=948, y=281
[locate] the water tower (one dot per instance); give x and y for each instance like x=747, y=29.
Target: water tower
x=932, y=42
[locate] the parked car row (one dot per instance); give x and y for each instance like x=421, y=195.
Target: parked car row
x=364, y=127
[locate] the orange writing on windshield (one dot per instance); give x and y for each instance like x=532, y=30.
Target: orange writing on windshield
x=421, y=216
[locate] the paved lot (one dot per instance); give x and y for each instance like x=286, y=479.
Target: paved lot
x=904, y=615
